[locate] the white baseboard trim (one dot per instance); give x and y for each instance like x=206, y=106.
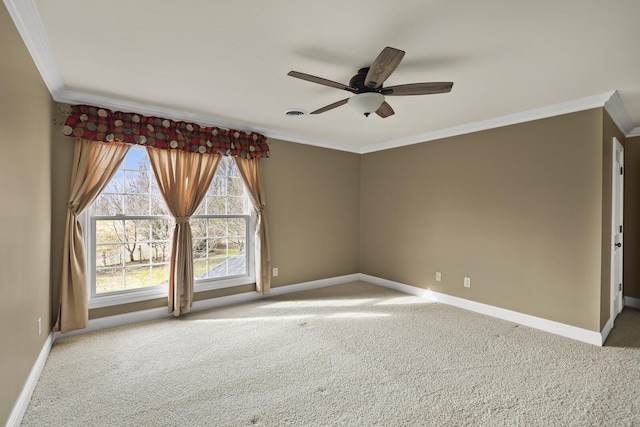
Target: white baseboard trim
x=606, y=330
x=632, y=302
x=315, y=284
x=118, y=320
x=20, y=407
x=162, y=312
x=568, y=331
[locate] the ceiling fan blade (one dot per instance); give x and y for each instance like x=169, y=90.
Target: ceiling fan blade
x=385, y=64
x=320, y=80
x=330, y=106
x=418, y=89
x=385, y=110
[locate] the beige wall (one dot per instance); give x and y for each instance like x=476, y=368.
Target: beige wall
x=25, y=226
x=313, y=207
x=517, y=209
x=632, y=217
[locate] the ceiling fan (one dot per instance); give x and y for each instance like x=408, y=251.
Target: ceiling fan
x=368, y=89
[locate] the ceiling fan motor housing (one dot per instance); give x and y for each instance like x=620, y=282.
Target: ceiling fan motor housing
x=357, y=82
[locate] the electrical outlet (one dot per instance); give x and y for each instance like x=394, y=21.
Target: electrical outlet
x=438, y=276
x=39, y=326
x=275, y=272
x=467, y=282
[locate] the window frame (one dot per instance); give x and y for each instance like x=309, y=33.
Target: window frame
x=88, y=221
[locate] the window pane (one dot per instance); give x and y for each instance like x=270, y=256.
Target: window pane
x=223, y=166
x=109, y=255
x=136, y=204
x=145, y=275
x=217, y=227
x=109, y=280
x=161, y=229
x=235, y=187
x=141, y=229
x=228, y=266
x=237, y=235
x=143, y=253
x=236, y=206
x=137, y=277
x=109, y=231
x=198, y=227
x=158, y=206
x=137, y=182
x=216, y=205
x=116, y=185
x=200, y=248
x=160, y=252
x=200, y=267
x=108, y=204
x=153, y=184
x=136, y=159
x=218, y=185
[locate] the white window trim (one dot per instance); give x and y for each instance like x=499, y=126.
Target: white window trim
x=209, y=284
x=160, y=291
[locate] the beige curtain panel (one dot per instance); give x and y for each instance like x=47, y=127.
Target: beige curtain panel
x=183, y=179
x=251, y=172
x=94, y=164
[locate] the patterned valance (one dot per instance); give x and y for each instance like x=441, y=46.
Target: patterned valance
x=101, y=124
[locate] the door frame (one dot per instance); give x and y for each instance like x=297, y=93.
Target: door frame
x=617, y=184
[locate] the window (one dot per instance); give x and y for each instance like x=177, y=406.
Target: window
x=130, y=232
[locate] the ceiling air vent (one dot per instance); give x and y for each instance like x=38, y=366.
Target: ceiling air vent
x=294, y=112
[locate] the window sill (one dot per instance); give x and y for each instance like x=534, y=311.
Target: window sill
x=209, y=285
x=161, y=292
x=127, y=297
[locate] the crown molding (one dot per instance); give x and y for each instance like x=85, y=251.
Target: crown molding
x=313, y=142
x=618, y=113
x=581, y=104
x=27, y=20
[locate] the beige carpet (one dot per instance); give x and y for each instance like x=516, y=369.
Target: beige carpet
x=348, y=355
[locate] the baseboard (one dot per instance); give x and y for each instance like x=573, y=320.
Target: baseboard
x=162, y=312
x=606, y=330
x=117, y=320
x=315, y=284
x=632, y=302
x=568, y=331
x=20, y=407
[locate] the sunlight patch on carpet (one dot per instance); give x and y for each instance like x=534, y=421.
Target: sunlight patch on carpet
x=406, y=300
x=255, y=319
x=320, y=303
x=356, y=315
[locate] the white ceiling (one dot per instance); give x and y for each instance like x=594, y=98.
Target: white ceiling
x=225, y=63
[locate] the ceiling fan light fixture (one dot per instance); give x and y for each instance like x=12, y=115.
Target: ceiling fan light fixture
x=366, y=103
